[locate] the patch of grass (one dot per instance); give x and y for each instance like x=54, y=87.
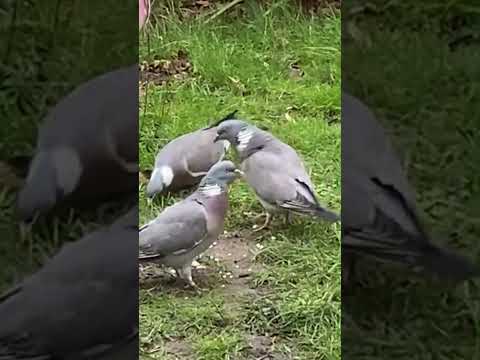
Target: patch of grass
x=244, y=63
x=219, y=347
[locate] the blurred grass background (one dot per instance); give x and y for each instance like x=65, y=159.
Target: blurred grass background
x=416, y=65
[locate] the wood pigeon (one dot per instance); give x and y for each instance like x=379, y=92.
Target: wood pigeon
x=185, y=230
x=379, y=215
x=184, y=161
x=274, y=170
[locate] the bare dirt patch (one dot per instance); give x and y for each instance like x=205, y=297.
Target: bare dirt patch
x=229, y=265
x=179, y=350
x=160, y=71
x=236, y=253
x=261, y=347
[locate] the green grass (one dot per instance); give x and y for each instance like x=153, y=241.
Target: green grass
x=241, y=61
x=427, y=97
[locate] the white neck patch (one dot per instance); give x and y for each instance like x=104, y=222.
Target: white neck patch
x=211, y=190
x=166, y=173
x=68, y=168
x=244, y=138
x=226, y=145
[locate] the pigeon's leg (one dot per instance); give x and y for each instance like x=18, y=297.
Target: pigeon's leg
x=25, y=228
x=266, y=224
x=288, y=218
x=185, y=273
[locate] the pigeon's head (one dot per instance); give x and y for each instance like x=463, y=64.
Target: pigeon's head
x=231, y=130
x=222, y=173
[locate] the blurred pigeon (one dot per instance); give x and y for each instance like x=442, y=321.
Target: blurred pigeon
x=275, y=172
x=379, y=216
x=185, y=160
x=185, y=230
x=83, y=304
x=85, y=150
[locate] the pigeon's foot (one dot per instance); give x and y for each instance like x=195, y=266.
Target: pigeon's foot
x=266, y=224
x=185, y=274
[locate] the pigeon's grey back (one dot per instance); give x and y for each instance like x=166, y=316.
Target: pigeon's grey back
x=103, y=101
x=198, y=147
x=83, y=301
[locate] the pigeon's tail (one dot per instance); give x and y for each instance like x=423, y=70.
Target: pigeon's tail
x=326, y=214
x=447, y=265
x=225, y=118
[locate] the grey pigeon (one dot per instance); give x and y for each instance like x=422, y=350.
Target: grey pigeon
x=379, y=215
x=85, y=148
x=274, y=170
x=83, y=304
x=185, y=230
x=184, y=161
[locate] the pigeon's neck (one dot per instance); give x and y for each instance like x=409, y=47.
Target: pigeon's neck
x=249, y=141
x=244, y=139
x=211, y=189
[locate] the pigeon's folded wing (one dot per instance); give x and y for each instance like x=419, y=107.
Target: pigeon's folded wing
x=177, y=230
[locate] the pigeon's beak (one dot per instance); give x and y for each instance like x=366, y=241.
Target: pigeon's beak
x=217, y=138
x=239, y=172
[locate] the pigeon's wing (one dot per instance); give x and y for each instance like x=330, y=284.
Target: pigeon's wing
x=265, y=172
x=366, y=146
x=204, y=153
x=368, y=220
x=371, y=162
x=177, y=230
